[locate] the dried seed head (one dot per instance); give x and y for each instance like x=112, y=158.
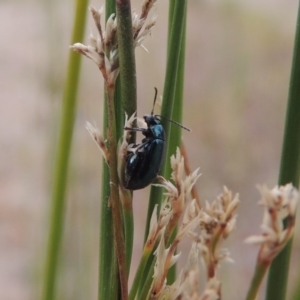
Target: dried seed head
x=124, y=148
x=282, y=199
x=212, y=290
x=152, y=228
x=165, y=259
x=90, y=52
x=158, y=225
x=179, y=192
x=103, y=49
x=98, y=138
x=165, y=214
x=223, y=211
x=216, y=221
x=110, y=38
x=190, y=181
x=279, y=205
x=140, y=30
x=159, y=277
x=187, y=228
x=97, y=19
x=146, y=7
x=177, y=165
x=172, y=192
x=207, y=227
x=143, y=34
x=174, y=291
x=126, y=135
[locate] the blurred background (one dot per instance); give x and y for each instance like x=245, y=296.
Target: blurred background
x=238, y=61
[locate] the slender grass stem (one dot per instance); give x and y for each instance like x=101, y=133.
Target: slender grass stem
x=173, y=82
x=175, y=131
x=128, y=99
x=126, y=58
x=260, y=271
x=296, y=294
x=63, y=155
x=126, y=197
x=173, y=56
x=145, y=289
x=138, y=274
x=108, y=269
x=289, y=169
x=114, y=192
x=108, y=282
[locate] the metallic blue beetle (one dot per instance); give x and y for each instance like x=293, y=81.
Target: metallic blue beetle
x=143, y=165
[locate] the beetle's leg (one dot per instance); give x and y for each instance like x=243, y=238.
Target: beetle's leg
x=137, y=147
x=141, y=145
x=135, y=129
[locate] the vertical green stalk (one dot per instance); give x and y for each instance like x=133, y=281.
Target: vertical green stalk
x=63, y=155
x=139, y=272
x=125, y=92
x=173, y=59
x=128, y=98
x=289, y=170
x=108, y=269
x=126, y=56
x=175, y=131
x=144, y=292
x=114, y=197
x=296, y=295
x=172, y=96
x=260, y=271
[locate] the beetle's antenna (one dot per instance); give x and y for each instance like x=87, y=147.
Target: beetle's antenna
x=178, y=124
x=155, y=96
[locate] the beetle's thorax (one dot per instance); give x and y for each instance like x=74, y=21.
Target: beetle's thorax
x=155, y=130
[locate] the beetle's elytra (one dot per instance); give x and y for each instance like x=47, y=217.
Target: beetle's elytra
x=143, y=165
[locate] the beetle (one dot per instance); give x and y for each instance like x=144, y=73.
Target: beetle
x=145, y=161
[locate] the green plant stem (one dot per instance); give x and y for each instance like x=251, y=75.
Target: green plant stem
x=173, y=58
x=114, y=200
x=179, y=90
x=119, y=109
x=296, y=294
x=63, y=155
x=126, y=57
x=108, y=269
x=175, y=131
x=138, y=275
x=126, y=197
x=128, y=98
x=260, y=271
x=289, y=169
x=145, y=289
x=175, y=65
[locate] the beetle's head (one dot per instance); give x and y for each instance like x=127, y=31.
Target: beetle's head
x=151, y=120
